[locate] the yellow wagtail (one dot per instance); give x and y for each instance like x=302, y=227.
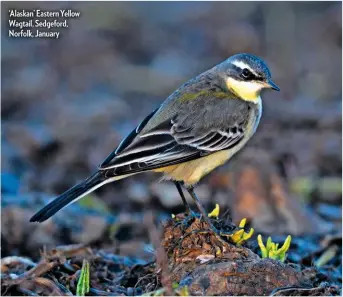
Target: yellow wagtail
x=197, y=128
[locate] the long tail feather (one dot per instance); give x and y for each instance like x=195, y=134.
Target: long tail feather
x=80, y=190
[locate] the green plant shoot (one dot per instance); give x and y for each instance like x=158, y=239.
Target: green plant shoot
x=240, y=236
x=271, y=249
x=83, y=283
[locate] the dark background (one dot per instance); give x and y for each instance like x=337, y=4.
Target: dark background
x=67, y=103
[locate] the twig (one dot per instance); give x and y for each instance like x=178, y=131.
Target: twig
x=161, y=256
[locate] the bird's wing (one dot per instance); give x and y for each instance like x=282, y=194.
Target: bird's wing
x=170, y=142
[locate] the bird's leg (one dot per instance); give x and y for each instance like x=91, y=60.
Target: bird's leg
x=191, y=215
x=189, y=211
x=190, y=190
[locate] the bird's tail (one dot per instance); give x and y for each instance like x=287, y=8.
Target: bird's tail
x=75, y=193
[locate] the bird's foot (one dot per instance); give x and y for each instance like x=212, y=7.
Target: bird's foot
x=189, y=218
x=216, y=234
x=194, y=223
x=237, y=236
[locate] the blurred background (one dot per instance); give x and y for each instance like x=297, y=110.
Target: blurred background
x=67, y=103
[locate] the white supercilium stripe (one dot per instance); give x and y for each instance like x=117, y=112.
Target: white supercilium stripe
x=242, y=65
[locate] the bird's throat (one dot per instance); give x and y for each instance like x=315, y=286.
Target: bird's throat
x=248, y=91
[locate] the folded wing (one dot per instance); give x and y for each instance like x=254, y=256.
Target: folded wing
x=168, y=143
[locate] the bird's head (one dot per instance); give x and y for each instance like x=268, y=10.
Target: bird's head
x=246, y=76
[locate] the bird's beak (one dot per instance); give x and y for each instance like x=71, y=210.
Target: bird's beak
x=271, y=85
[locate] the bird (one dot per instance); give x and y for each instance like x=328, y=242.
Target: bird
x=199, y=127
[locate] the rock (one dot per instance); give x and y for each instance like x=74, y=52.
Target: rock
x=242, y=278
x=230, y=271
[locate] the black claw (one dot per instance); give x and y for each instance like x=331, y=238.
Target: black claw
x=188, y=220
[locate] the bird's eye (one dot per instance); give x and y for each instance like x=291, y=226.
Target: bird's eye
x=246, y=74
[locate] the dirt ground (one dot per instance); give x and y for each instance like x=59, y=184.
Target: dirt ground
x=66, y=104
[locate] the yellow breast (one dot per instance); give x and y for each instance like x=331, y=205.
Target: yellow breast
x=191, y=172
